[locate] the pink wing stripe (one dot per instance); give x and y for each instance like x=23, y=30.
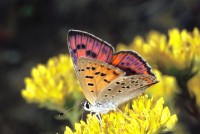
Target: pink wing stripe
x=89, y=47
x=104, y=54
x=72, y=46
x=96, y=48
x=78, y=41
x=83, y=50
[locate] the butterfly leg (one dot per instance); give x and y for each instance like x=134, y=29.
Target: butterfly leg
x=99, y=118
x=91, y=113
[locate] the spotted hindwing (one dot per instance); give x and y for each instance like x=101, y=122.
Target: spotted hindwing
x=95, y=75
x=125, y=88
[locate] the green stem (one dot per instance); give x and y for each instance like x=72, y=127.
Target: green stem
x=189, y=113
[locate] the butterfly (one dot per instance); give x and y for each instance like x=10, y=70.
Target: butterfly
x=108, y=79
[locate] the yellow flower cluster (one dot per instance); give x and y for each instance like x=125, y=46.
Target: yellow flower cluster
x=51, y=85
x=166, y=88
x=172, y=56
x=146, y=116
x=169, y=55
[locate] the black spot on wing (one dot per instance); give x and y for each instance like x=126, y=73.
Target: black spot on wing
x=81, y=70
x=89, y=77
x=107, y=81
x=102, y=65
x=102, y=74
x=88, y=52
x=133, y=72
x=132, y=81
x=83, y=46
x=115, y=73
x=90, y=84
x=96, y=73
x=74, y=51
x=117, y=83
x=94, y=55
x=93, y=68
x=127, y=69
x=78, y=46
x=109, y=89
x=109, y=68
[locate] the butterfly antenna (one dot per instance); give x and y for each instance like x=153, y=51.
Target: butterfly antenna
x=82, y=115
x=63, y=113
x=99, y=118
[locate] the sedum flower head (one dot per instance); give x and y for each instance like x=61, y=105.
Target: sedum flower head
x=50, y=85
x=145, y=117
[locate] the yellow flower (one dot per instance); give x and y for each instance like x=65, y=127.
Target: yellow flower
x=50, y=85
x=145, y=117
x=167, y=83
x=170, y=55
x=194, y=87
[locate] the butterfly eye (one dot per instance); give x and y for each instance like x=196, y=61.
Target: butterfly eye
x=86, y=105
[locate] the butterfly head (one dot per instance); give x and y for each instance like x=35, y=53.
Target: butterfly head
x=86, y=105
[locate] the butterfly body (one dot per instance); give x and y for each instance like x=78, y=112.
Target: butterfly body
x=108, y=79
x=99, y=108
